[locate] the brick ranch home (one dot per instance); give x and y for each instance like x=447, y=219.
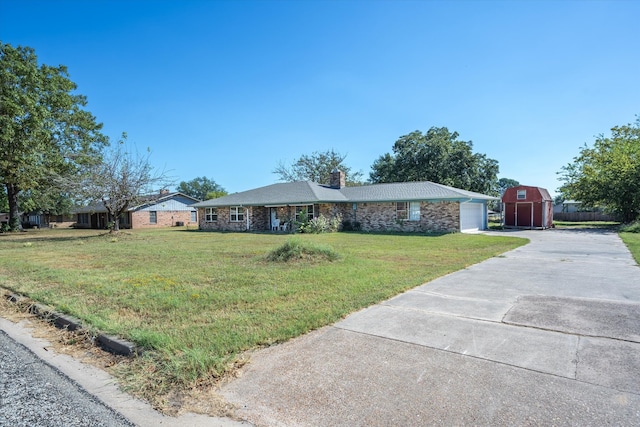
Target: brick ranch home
x=406, y=206
x=164, y=209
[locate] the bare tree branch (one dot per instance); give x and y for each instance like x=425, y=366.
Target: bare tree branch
x=122, y=180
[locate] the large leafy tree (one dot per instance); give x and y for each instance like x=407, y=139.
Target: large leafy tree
x=124, y=178
x=45, y=133
x=608, y=174
x=317, y=167
x=4, y=203
x=504, y=183
x=438, y=156
x=201, y=188
x=53, y=200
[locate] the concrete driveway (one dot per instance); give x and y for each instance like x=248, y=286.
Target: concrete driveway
x=547, y=334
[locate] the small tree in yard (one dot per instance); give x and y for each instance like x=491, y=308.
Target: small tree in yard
x=122, y=180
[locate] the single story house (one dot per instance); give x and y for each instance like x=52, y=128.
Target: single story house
x=44, y=220
x=405, y=206
x=41, y=220
x=164, y=209
x=568, y=206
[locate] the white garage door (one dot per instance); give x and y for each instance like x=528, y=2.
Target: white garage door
x=471, y=217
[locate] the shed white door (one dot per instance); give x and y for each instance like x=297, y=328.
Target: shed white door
x=471, y=217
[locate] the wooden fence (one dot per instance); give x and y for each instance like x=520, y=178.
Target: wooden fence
x=583, y=216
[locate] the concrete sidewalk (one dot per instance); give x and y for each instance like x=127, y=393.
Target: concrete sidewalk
x=547, y=334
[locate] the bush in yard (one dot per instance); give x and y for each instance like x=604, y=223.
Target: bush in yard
x=317, y=225
x=335, y=223
x=348, y=225
x=296, y=249
x=634, y=227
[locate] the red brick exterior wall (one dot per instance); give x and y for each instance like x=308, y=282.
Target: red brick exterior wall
x=140, y=219
x=223, y=223
x=434, y=216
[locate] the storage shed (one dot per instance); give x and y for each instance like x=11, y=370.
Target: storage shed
x=527, y=207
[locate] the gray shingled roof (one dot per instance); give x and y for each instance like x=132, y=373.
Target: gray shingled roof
x=98, y=207
x=306, y=192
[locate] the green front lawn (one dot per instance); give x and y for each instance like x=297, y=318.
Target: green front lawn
x=586, y=224
x=632, y=240
x=197, y=300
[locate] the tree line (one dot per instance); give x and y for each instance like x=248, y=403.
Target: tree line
x=54, y=156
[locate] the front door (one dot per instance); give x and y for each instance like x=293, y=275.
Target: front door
x=274, y=219
x=523, y=215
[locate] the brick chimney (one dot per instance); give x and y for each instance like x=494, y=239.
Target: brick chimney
x=337, y=179
x=164, y=191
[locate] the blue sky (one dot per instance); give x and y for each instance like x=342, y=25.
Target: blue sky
x=228, y=89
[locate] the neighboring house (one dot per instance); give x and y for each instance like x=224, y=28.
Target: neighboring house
x=406, y=206
x=164, y=209
x=568, y=206
x=27, y=220
x=572, y=206
x=61, y=221
x=571, y=210
x=527, y=207
x=43, y=220
x=40, y=220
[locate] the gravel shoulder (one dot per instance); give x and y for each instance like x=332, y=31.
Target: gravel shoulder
x=39, y=387
x=35, y=394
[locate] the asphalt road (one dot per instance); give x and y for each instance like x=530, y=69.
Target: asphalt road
x=32, y=393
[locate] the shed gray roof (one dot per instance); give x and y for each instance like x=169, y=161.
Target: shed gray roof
x=306, y=192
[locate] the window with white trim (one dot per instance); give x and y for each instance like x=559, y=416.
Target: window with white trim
x=408, y=211
x=153, y=217
x=210, y=214
x=236, y=214
x=194, y=216
x=402, y=212
x=414, y=211
x=307, y=208
x=522, y=194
